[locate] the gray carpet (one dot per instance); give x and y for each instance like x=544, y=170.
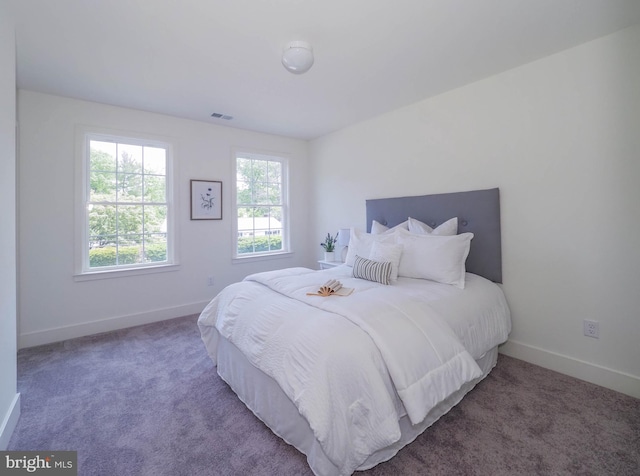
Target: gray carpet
x=147, y=401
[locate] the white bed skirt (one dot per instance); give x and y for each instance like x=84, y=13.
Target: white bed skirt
x=263, y=396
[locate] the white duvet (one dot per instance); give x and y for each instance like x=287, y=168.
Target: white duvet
x=352, y=365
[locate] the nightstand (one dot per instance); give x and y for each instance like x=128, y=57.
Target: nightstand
x=329, y=264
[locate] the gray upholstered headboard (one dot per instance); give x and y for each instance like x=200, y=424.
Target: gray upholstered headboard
x=478, y=212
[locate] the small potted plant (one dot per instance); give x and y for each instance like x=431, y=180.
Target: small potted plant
x=329, y=245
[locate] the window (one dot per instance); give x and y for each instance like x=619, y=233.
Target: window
x=127, y=204
x=261, y=205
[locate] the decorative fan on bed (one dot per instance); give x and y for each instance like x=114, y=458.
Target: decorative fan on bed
x=333, y=287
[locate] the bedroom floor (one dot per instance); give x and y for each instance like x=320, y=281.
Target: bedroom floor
x=147, y=401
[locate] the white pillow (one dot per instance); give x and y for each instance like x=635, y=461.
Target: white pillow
x=360, y=243
x=448, y=228
x=433, y=257
x=379, y=229
x=390, y=252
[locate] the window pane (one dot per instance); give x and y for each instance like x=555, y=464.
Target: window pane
x=155, y=219
x=155, y=248
x=243, y=170
x=129, y=219
x=245, y=245
x=243, y=193
x=155, y=161
x=259, y=170
x=103, y=186
x=102, y=156
x=246, y=230
x=129, y=159
x=245, y=219
x=261, y=220
x=261, y=215
x=103, y=256
x=276, y=214
x=102, y=221
x=275, y=242
x=275, y=172
x=129, y=188
x=129, y=249
x=155, y=187
x=275, y=194
x=260, y=193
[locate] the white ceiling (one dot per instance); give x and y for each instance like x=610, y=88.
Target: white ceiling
x=190, y=58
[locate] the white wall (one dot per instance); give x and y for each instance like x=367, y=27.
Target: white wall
x=560, y=137
x=9, y=398
x=52, y=305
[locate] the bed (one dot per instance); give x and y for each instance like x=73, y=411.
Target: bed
x=350, y=380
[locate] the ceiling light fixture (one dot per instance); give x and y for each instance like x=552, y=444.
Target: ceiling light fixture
x=297, y=57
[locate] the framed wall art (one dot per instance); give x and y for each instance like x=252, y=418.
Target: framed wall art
x=206, y=200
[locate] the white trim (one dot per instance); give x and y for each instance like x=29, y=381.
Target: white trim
x=9, y=422
x=57, y=334
x=605, y=377
x=121, y=273
x=260, y=257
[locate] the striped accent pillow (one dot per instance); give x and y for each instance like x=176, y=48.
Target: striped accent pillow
x=377, y=271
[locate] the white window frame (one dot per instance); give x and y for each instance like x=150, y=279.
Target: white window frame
x=286, y=243
x=83, y=271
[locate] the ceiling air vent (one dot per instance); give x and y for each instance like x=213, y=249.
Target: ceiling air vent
x=217, y=115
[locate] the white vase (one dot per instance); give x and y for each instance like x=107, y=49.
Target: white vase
x=329, y=255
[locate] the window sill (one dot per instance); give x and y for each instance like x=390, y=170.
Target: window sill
x=252, y=258
x=122, y=273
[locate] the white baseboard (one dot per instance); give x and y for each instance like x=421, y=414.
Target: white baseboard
x=612, y=379
x=48, y=336
x=9, y=423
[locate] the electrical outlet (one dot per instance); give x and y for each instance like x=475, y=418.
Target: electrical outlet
x=591, y=328
x=210, y=281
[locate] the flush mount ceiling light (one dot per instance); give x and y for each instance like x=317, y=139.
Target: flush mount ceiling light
x=297, y=57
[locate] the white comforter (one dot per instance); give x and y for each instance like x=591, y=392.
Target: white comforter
x=343, y=360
